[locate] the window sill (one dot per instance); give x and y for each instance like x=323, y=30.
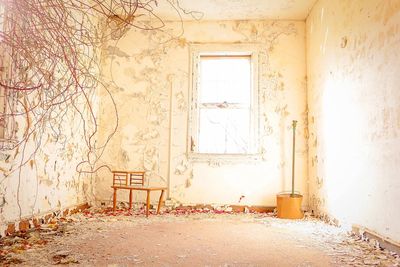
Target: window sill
x=223, y=158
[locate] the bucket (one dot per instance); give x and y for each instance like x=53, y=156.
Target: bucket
x=289, y=206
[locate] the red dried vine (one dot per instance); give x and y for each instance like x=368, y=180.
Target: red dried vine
x=49, y=69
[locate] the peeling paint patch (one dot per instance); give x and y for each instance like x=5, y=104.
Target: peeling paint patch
x=181, y=102
x=159, y=143
x=115, y=51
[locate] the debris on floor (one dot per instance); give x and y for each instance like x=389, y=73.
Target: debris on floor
x=55, y=243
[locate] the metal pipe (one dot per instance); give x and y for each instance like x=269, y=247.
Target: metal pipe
x=294, y=123
x=170, y=80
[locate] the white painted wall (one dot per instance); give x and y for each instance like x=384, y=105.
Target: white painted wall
x=40, y=175
x=150, y=75
x=353, y=62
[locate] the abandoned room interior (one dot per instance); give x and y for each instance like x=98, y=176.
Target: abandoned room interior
x=200, y=133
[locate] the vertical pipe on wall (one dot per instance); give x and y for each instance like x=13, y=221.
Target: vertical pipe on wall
x=294, y=123
x=170, y=80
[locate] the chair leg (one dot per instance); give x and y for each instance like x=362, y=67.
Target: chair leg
x=130, y=199
x=115, y=199
x=147, y=203
x=160, y=201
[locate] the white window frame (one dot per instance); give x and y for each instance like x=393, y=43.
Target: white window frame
x=196, y=50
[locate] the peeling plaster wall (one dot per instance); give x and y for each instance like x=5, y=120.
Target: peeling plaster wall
x=39, y=176
x=353, y=57
x=49, y=181
x=151, y=87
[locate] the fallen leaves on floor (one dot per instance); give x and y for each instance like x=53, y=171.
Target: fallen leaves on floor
x=63, y=257
x=47, y=245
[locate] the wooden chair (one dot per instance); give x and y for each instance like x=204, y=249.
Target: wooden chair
x=134, y=180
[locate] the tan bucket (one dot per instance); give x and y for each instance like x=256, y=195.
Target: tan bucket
x=289, y=207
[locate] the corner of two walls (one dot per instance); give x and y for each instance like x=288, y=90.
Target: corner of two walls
x=353, y=60
x=349, y=135
x=150, y=86
x=39, y=176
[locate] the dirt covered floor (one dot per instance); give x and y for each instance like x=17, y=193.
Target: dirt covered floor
x=97, y=237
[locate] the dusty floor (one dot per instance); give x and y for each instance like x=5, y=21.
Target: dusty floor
x=97, y=238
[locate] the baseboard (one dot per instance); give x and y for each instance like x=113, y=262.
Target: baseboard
x=233, y=208
x=27, y=223
x=384, y=242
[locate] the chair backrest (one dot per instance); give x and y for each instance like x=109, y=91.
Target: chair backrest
x=136, y=178
x=128, y=178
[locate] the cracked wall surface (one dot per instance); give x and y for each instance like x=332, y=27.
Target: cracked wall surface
x=354, y=113
x=39, y=175
x=49, y=181
x=151, y=83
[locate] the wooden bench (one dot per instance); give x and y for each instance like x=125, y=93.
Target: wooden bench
x=134, y=180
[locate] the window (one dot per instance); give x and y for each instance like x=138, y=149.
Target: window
x=224, y=108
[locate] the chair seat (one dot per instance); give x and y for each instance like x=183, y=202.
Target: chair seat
x=134, y=180
x=145, y=188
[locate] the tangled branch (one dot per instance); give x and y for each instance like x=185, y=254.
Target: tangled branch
x=50, y=69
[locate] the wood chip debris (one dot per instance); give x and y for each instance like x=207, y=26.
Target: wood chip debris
x=51, y=243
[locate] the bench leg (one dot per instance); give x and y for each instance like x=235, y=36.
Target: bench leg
x=147, y=203
x=115, y=199
x=130, y=199
x=160, y=201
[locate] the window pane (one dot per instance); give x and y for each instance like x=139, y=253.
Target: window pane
x=225, y=79
x=224, y=131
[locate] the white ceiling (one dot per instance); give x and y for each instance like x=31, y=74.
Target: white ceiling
x=236, y=9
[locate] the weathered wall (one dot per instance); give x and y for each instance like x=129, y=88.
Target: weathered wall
x=151, y=86
x=353, y=57
x=40, y=175
x=48, y=181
